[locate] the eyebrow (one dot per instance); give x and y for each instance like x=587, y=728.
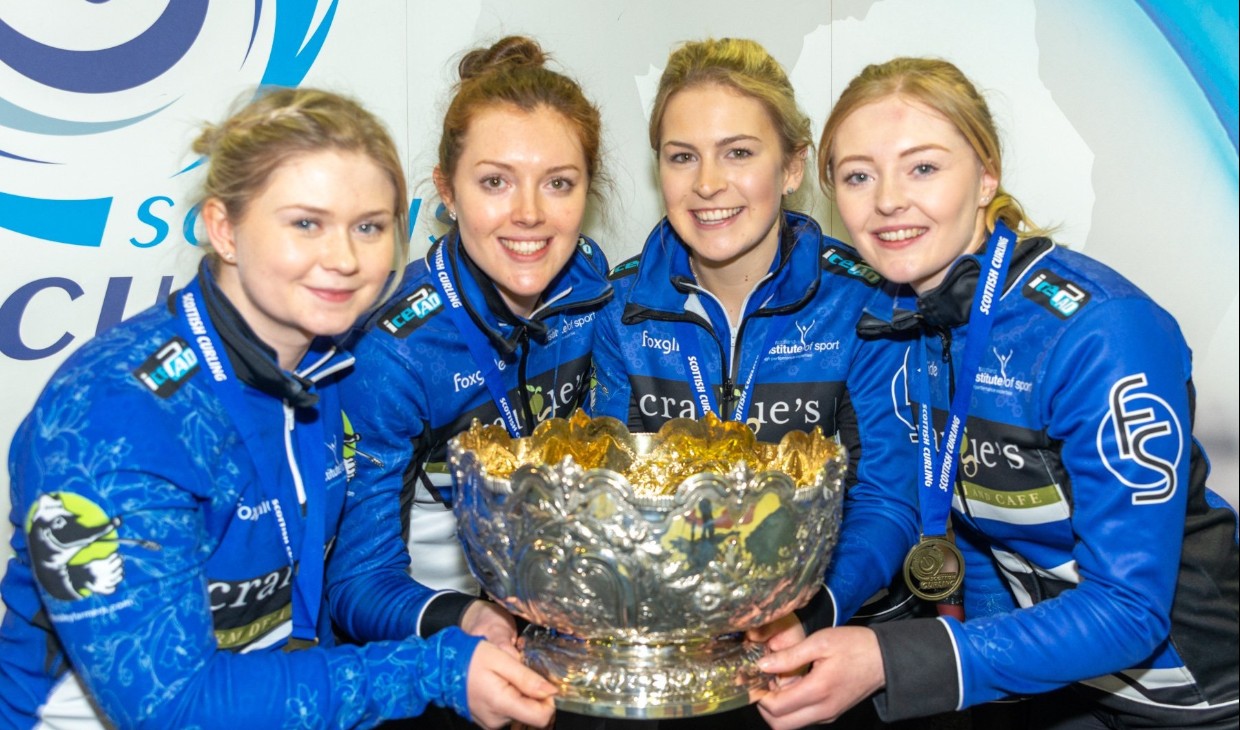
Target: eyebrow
x=325, y=212
x=506, y=166
x=906, y=153
x=721, y=143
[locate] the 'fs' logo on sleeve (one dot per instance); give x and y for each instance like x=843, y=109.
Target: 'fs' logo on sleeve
x=1140, y=440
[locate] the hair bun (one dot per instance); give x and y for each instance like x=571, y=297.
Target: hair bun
x=507, y=53
x=208, y=137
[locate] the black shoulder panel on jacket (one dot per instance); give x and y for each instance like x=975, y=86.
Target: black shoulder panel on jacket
x=845, y=262
x=172, y=363
x=624, y=268
x=411, y=312
x=1061, y=297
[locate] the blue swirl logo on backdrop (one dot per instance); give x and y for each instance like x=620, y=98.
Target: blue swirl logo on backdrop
x=143, y=58
x=125, y=66
x=1203, y=34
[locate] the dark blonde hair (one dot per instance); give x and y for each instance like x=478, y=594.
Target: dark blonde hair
x=245, y=149
x=513, y=71
x=943, y=88
x=742, y=65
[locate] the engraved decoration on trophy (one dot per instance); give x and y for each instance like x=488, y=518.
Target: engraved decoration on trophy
x=641, y=559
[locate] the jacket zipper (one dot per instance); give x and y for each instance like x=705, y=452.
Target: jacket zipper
x=523, y=393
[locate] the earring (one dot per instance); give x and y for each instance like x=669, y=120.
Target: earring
x=986, y=200
x=452, y=214
x=790, y=191
x=228, y=256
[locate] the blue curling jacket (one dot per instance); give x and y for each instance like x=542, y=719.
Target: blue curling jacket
x=418, y=385
x=149, y=576
x=1081, y=482
x=798, y=325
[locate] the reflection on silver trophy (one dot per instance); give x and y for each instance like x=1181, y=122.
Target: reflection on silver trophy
x=641, y=559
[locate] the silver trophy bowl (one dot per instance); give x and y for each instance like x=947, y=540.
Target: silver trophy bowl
x=638, y=601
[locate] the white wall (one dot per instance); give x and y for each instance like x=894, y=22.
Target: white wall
x=1107, y=136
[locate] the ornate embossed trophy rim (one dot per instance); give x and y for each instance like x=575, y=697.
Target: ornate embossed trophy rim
x=647, y=681
x=645, y=596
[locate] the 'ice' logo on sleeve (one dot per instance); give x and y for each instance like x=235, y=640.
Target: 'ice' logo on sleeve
x=1062, y=297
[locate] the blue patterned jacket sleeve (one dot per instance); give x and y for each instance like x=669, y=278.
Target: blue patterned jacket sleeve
x=156, y=485
x=369, y=589
x=610, y=391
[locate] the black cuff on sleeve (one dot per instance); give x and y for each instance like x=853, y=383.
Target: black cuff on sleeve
x=819, y=613
x=919, y=661
x=443, y=611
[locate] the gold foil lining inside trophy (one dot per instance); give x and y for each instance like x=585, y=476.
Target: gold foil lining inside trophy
x=681, y=448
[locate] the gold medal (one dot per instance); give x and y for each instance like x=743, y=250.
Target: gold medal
x=934, y=568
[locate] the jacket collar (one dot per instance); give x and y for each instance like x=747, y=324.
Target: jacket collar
x=582, y=282
x=793, y=278
x=950, y=303
x=254, y=361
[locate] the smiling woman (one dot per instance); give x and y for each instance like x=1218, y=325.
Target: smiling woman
x=518, y=195
x=310, y=251
x=724, y=170
x=741, y=308
x=912, y=189
x=497, y=323
x=1077, y=497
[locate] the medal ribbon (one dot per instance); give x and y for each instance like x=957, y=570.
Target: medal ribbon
x=481, y=351
x=938, y=469
x=308, y=469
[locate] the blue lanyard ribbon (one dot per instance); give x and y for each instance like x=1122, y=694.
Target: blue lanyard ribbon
x=938, y=468
x=479, y=348
x=308, y=468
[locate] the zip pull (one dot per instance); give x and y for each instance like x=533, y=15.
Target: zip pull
x=727, y=397
x=352, y=440
x=289, y=424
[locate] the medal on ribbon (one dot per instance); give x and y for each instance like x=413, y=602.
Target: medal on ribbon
x=934, y=568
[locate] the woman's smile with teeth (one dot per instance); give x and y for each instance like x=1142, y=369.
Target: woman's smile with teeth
x=902, y=234
x=525, y=248
x=715, y=215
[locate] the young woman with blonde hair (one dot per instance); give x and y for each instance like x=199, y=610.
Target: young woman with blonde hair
x=1055, y=405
